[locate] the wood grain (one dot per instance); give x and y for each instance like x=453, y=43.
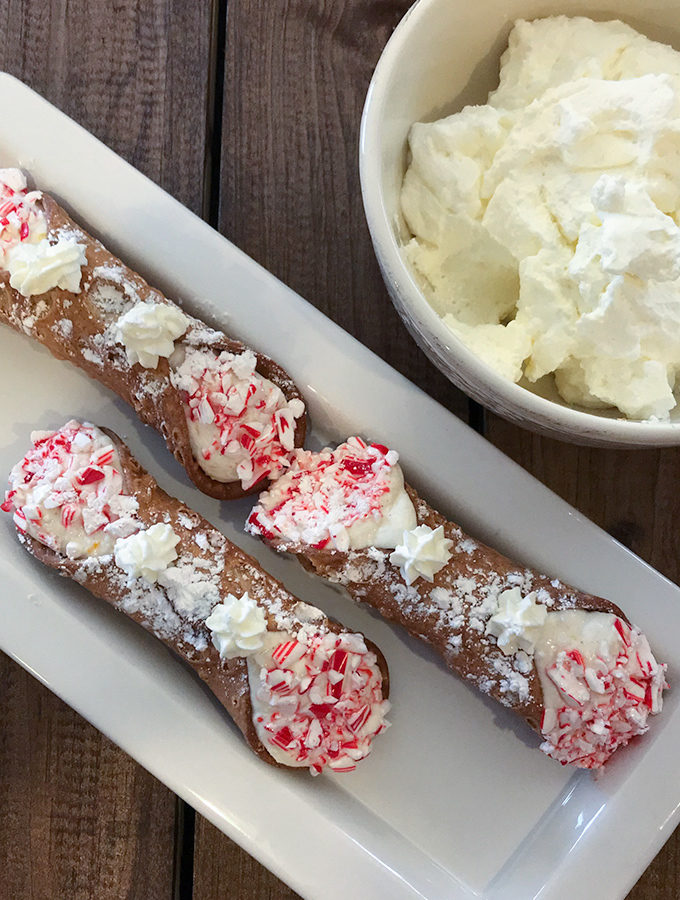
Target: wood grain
x=661, y=880
x=295, y=82
x=81, y=820
x=126, y=71
x=631, y=494
x=222, y=871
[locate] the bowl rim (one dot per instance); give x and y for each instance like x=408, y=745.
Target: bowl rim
x=444, y=348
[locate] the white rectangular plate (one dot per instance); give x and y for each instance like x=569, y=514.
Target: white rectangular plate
x=456, y=799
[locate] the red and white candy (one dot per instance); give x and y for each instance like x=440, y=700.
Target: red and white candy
x=67, y=492
x=317, y=699
x=345, y=498
x=241, y=425
x=602, y=699
x=20, y=218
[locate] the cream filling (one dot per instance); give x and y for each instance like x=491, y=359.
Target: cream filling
x=73, y=502
x=241, y=426
x=397, y=515
x=591, y=633
x=318, y=501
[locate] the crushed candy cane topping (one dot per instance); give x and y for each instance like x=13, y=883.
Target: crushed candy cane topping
x=317, y=698
x=21, y=221
x=350, y=497
x=241, y=425
x=67, y=492
x=600, y=684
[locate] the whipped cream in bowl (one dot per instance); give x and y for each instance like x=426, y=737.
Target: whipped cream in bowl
x=528, y=241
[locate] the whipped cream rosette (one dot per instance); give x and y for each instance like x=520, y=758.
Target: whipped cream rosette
x=304, y=691
x=230, y=416
x=569, y=663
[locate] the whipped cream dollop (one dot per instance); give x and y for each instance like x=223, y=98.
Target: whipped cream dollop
x=21, y=218
x=37, y=268
x=348, y=498
x=35, y=264
x=423, y=551
x=67, y=492
x=241, y=425
x=147, y=553
x=317, y=698
x=238, y=626
x=545, y=222
x=519, y=621
x=149, y=330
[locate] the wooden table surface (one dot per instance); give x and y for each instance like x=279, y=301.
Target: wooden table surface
x=248, y=112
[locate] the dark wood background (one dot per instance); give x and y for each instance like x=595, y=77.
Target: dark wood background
x=248, y=112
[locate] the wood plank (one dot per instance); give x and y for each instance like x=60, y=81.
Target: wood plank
x=632, y=495
x=80, y=818
x=126, y=72
x=662, y=877
x=222, y=871
x=295, y=82
x=629, y=493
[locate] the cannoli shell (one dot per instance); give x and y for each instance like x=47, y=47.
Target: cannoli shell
x=370, y=578
x=84, y=343
x=227, y=679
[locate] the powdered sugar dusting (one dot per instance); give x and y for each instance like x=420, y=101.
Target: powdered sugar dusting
x=65, y=328
x=452, y=614
x=91, y=356
x=111, y=300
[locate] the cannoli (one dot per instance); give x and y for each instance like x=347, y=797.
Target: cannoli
x=229, y=415
x=569, y=663
x=304, y=691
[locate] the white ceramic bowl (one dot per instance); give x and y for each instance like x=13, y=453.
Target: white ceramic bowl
x=443, y=55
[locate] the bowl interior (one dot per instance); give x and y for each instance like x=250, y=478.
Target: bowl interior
x=443, y=55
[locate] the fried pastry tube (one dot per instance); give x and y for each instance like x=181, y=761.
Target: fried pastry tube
x=229, y=415
x=568, y=663
x=303, y=690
